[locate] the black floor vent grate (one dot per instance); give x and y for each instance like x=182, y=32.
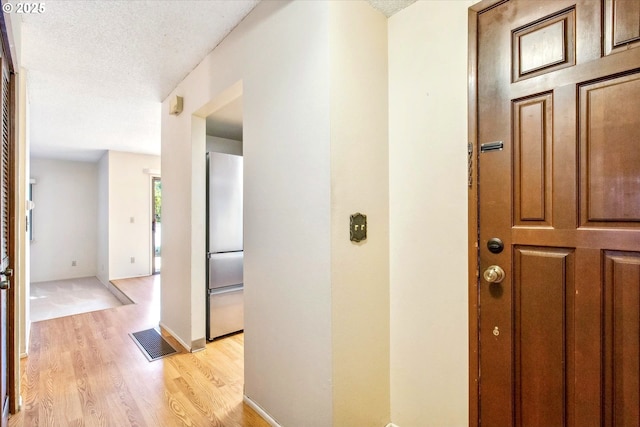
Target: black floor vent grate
x=152, y=344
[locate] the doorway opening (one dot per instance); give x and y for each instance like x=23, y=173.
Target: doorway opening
x=224, y=218
x=156, y=225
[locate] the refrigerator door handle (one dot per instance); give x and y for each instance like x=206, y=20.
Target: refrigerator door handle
x=213, y=254
x=227, y=290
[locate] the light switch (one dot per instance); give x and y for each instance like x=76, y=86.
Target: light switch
x=358, y=227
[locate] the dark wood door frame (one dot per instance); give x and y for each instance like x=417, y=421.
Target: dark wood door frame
x=474, y=273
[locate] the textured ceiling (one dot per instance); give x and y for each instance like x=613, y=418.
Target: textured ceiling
x=390, y=7
x=99, y=69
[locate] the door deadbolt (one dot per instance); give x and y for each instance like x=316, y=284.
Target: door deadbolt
x=495, y=245
x=494, y=274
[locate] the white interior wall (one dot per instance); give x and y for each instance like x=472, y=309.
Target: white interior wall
x=198, y=231
x=176, y=226
x=428, y=214
x=130, y=212
x=83, y=213
x=22, y=265
x=64, y=219
x=359, y=183
x=103, y=220
x=280, y=53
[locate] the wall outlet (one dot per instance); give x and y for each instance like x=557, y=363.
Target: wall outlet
x=73, y=263
x=133, y=260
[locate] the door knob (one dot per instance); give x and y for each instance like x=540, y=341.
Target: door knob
x=4, y=285
x=494, y=274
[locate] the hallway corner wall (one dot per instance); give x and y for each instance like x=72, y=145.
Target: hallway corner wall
x=359, y=183
x=280, y=53
x=428, y=212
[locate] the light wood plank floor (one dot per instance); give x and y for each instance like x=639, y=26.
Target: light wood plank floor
x=85, y=370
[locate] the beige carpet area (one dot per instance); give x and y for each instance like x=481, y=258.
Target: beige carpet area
x=61, y=298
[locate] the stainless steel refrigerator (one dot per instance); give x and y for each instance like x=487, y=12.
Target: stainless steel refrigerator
x=225, y=305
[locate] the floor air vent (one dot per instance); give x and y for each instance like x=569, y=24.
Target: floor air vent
x=152, y=344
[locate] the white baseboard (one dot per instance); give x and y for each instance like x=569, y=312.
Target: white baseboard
x=267, y=417
x=261, y=412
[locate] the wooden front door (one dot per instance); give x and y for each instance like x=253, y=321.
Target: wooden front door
x=558, y=195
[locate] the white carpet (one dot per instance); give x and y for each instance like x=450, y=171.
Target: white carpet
x=60, y=298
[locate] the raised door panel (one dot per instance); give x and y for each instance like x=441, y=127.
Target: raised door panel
x=621, y=25
x=533, y=147
x=610, y=155
x=543, y=309
x=622, y=338
x=544, y=46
